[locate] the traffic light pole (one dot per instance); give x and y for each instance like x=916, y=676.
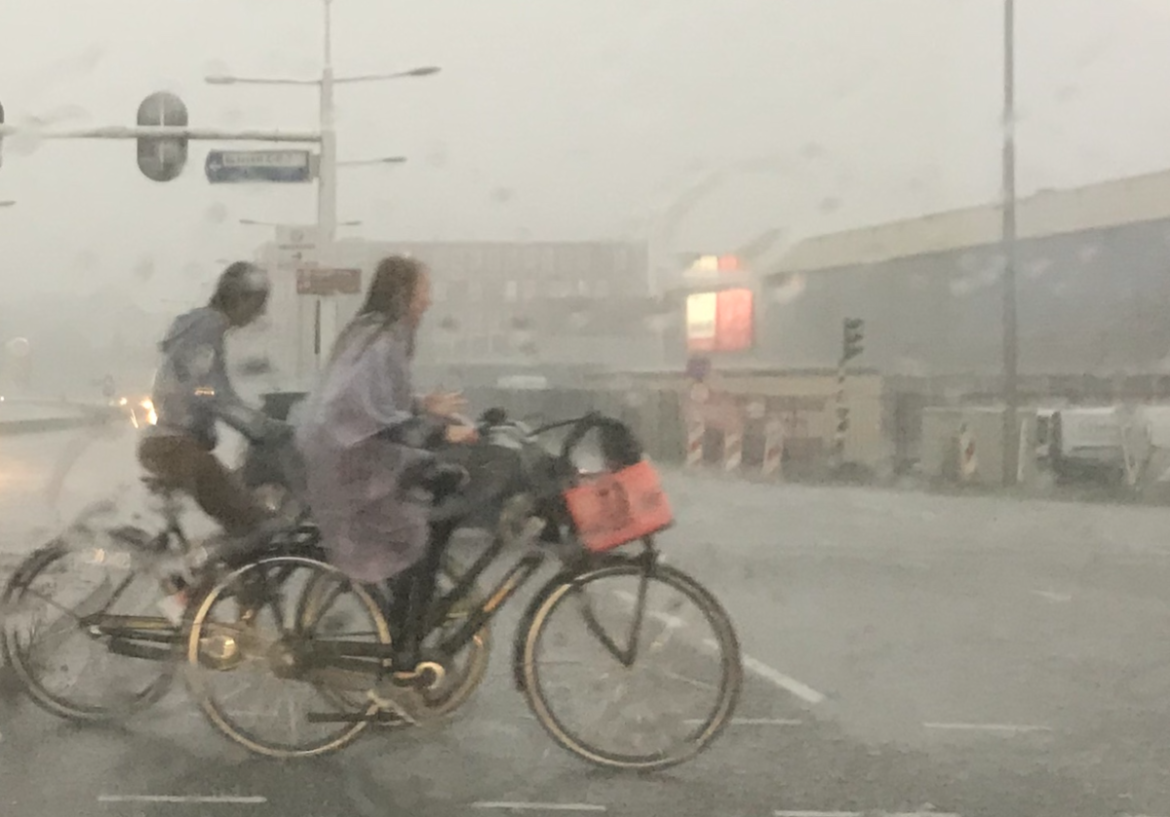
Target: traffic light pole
x=853, y=329
x=842, y=416
x=165, y=132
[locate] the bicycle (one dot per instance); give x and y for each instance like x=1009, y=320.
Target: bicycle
x=150, y=646
x=146, y=640
x=584, y=517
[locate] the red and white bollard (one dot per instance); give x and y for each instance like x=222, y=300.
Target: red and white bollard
x=732, y=449
x=696, y=431
x=773, y=447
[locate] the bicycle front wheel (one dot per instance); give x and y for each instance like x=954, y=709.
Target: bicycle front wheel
x=632, y=667
x=251, y=661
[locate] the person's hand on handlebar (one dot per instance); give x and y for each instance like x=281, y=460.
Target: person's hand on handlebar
x=444, y=404
x=460, y=434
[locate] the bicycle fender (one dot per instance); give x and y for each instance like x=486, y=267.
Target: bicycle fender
x=37, y=560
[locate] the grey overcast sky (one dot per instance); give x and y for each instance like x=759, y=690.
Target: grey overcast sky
x=564, y=118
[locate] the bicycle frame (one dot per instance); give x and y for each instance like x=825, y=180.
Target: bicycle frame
x=355, y=655
x=340, y=653
x=127, y=634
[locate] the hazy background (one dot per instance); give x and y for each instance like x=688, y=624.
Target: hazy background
x=562, y=119
x=551, y=119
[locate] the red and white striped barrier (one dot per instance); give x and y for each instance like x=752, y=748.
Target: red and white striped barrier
x=696, y=432
x=773, y=446
x=732, y=449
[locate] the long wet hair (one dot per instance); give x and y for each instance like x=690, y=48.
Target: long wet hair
x=387, y=301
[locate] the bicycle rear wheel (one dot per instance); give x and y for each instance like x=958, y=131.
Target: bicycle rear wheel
x=622, y=646
x=50, y=607
x=250, y=664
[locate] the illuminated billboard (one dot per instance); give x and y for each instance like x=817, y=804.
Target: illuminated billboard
x=715, y=264
x=720, y=321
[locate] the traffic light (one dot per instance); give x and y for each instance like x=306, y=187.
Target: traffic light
x=162, y=160
x=854, y=333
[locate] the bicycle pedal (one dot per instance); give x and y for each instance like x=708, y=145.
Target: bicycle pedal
x=425, y=675
x=384, y=717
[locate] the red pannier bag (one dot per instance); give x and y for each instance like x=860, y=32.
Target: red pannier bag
x=613, y=509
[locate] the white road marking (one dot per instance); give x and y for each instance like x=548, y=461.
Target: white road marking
x=1053, y=596
x=225, y=800
x=863, y=813
x=754, y=721
x=754, y=665
x=541, y=806
x=775, y=676
x=1013, y=728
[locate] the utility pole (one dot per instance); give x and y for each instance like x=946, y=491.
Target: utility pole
x=851, y=347
x=327, y=170
x=327, y=165
x=1011, y=397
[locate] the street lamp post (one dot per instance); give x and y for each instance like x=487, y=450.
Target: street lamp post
x=1011, y=432
x=328, y=164
x=327, y=169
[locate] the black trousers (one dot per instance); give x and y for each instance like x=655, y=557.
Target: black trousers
x=407, y=599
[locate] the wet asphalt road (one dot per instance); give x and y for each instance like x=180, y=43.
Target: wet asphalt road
x=905, y=653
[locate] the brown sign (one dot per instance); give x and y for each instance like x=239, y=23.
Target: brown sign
x=329, y=281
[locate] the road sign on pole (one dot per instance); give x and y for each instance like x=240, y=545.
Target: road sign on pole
x=320, y=281
x=264, y=166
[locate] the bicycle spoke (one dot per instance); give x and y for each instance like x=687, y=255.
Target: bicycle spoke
x=635, y=716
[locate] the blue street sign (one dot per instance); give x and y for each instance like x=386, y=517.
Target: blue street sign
x=270, y=166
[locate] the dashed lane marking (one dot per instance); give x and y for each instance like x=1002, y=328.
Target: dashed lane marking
x=863, y=814
x=1003, y=728
x=759, y=722
x=219, y=800
x=521, y=806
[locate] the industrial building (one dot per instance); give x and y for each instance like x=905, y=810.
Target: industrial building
x=1093, y=272
x=501, y=309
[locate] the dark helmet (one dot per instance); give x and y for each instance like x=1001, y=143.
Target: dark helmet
x=241, y=281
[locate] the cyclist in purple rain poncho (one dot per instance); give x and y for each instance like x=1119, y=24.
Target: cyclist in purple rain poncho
x=362, y=429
